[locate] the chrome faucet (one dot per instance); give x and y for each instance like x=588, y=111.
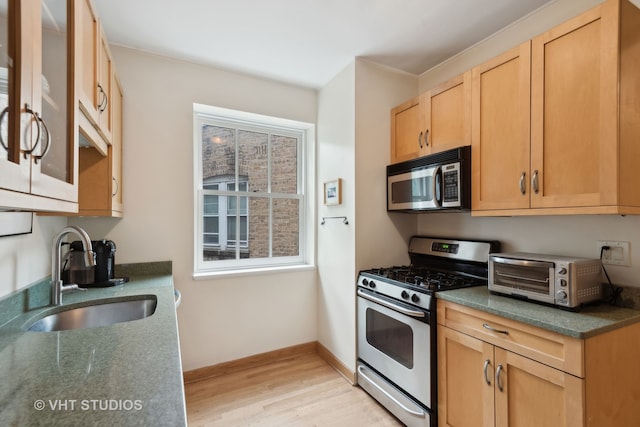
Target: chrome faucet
x=57, y=288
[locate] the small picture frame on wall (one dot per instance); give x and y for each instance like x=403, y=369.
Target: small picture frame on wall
x=333, y=192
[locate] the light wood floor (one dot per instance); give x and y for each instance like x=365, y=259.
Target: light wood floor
x=299, y=391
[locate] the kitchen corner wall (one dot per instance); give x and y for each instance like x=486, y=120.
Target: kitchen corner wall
x=220, y=319
x=26, y=258
x=353, y=144
x=562, y=235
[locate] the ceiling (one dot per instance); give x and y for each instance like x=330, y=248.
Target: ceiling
x=307, y=42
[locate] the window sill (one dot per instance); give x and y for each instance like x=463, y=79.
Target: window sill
x=206, y=275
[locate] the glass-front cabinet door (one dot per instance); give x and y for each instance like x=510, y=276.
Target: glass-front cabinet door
x=38, y=126
x=14, y=160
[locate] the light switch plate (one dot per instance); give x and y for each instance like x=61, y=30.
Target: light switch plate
x=617, y=254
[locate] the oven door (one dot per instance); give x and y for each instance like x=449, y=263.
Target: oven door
x=395, y=340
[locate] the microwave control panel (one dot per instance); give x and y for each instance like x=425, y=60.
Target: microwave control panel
x=451, y=179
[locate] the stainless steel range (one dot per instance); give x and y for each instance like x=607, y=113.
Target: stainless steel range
x=396, y=322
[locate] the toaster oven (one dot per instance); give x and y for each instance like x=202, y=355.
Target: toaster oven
x=557, y=280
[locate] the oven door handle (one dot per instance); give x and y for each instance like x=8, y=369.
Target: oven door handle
x=522, y=262
x=392, y=306
x=393, y=399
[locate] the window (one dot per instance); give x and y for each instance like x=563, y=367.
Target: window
x=250, y=203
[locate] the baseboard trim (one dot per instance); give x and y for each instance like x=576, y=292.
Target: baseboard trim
x=250, y=361
x=207, y=372
x=332, y=360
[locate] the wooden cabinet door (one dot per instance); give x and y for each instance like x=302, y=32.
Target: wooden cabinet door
x=447, y=114
x=54, y=168
x=407, y=131
x=15, y=91
x=500, y=145
x=528, y=393
x=89, y=95
x=116, y=146
x=105, y=78
x=465, y=394
x=574, y=90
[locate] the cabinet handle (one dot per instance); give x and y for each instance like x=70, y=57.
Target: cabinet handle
x=117, y=186
x=426, y=138
x=492, y=329
x=534, y=181
x=487, y=363
x=28, y=109
x=105, y=99
x=420, y=140
x=523, y=187
x=498, y=382
x=46, y=132
x=4, y=144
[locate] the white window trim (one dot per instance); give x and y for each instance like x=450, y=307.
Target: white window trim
x=306, y=259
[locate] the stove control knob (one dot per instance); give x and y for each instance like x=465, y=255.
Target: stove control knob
x=415, y=298
x=561, y=295
x=372, y=284
x=365, y=282
x=405, y=294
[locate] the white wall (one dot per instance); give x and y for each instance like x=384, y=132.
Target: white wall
x=526, y=28
x=26, y=258
x=336, y=241
x=220, y=319
x=381, y=238
x=353, y=144
x=564, y=235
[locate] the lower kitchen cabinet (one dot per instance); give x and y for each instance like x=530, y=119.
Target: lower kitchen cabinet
x=475, y=390
x=494, y=371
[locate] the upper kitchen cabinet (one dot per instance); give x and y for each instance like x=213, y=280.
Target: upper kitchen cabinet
x=585, y=123
x=406, y=131
x=97, y=69
x=100, y=188
x=500, y=143
x=38, y=162
x=437, y=120
x=447, y=114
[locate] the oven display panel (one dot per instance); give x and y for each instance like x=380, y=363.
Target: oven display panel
x=449, y=248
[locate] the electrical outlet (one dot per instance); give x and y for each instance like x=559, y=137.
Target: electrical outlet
x=617, y=254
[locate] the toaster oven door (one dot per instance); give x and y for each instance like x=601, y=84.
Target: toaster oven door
x=525, y=278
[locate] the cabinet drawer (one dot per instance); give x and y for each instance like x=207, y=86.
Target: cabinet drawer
x=552, y=349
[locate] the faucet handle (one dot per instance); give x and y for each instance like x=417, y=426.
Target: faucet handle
x=89, y=258
x=72, y=287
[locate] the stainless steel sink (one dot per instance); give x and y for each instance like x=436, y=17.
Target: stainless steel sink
x=99, y=314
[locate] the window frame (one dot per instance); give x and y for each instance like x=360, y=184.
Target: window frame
x=216, y=116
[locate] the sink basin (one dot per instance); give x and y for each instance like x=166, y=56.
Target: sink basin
x=100, y=314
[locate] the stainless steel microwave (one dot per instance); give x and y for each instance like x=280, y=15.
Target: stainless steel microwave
x=440, y=181
x=557, y=280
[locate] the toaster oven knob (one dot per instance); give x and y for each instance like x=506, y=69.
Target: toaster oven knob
x=405, y=295
x=561, y=295
x=562, y=270
x=415, y=298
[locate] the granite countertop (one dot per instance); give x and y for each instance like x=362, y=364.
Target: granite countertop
x=589, y=321
x=124, y=374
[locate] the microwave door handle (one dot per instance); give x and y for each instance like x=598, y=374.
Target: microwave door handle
x=436, y=183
